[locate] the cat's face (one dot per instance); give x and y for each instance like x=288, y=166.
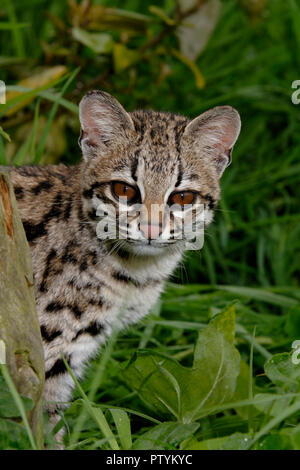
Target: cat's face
x=150, y=180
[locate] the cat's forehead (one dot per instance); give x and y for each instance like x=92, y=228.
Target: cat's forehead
x=159, y=130
x=157, y=155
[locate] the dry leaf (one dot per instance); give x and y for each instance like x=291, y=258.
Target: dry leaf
x=35, y=81
x=198, y=27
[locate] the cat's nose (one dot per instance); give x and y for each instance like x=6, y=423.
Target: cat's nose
x=151, y=231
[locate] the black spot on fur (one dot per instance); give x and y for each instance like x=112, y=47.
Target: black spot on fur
x=178, y=130
x=92, y=214
x=18, y=192
x=54, y=307
x=43, y=186
x=34, y=231
x=68, y=255
x=123, y=278
x=94, y=257
x=83, y=266
x=49, y=258
x=179, y=176
x=57, y=369
x=48, y=337
x=75, y=309
x=80, y=217
x=100, y=302
x=210, y=200
x=68, y=208
x=123, y=254
x=134, y=165
x=93, y=329
x=28, y=170
x=88, y=193
x=55, y=210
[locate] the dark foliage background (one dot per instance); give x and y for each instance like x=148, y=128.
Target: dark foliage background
x=242, y=53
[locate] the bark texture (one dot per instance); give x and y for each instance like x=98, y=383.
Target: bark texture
x=19, y=327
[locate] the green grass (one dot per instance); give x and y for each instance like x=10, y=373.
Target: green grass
x=251, y=255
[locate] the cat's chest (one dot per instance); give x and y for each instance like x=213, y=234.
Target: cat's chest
x=103, y=293
x=78, y=314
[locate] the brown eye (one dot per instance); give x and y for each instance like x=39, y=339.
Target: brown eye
x=124, y=190
x=185, y=197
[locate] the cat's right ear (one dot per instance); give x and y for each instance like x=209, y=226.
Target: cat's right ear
x=103, y=121
x=215, y=133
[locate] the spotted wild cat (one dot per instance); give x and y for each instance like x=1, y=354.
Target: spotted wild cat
x=82, y=282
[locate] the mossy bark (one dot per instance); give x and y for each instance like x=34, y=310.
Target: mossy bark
x=19, y=327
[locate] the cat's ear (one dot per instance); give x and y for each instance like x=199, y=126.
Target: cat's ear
x=103, y=122
x=215, y=132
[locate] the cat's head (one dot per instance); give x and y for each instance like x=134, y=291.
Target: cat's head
x=148, y=175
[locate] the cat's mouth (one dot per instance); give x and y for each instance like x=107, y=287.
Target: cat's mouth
x=150, y=242
x=147, y=247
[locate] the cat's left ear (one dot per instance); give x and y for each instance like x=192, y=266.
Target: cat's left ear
x=215, y=133
x=104, y=122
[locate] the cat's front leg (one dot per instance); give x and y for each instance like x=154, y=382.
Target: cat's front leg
x=56, y=396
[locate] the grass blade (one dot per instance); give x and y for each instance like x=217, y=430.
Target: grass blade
x=122, y=423
x=95, y=413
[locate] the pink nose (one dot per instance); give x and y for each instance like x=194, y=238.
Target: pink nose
x=151, y=231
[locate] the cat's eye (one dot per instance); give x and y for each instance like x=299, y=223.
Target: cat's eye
x=120, y=189
x=182, y=198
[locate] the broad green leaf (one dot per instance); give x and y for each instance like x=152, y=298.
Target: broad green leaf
x=8, y=407
x=274, y=441
x=165, y=436
x=272, y=405
x=286, y=375
x=294, y=435
x=281, y=370
x=188, y=393
x=13, y=435
x=225, y=323
x=236, y=441
x=101, y=43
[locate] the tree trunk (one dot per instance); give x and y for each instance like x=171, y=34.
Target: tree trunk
x=19, y=327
